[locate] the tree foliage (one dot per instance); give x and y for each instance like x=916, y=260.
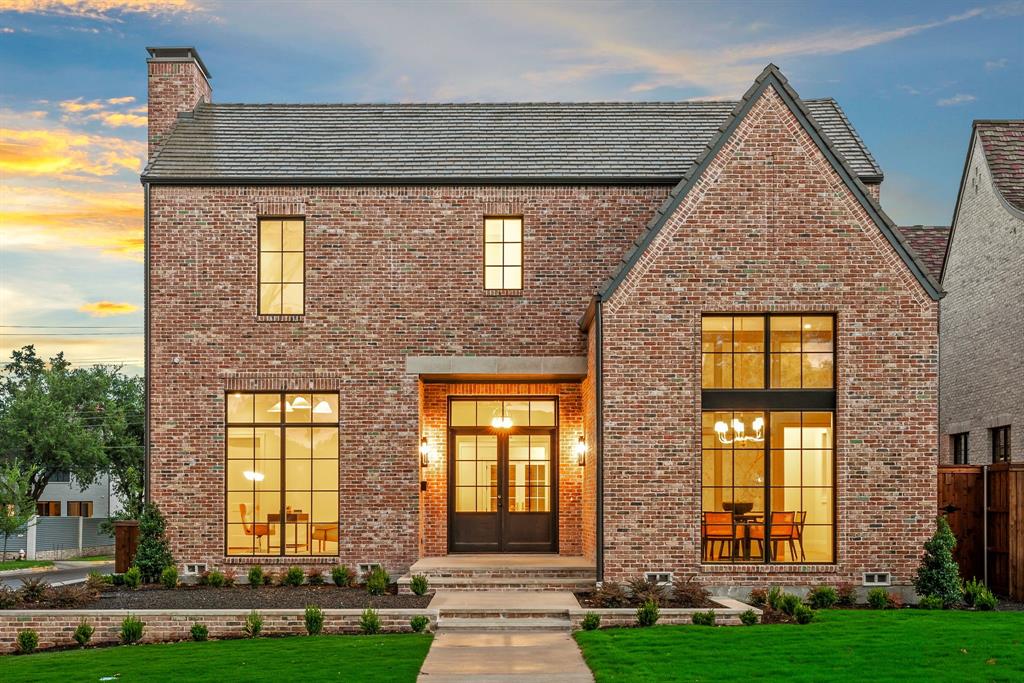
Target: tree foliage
x=16, y=506
x=938, y=575
x=153, y=554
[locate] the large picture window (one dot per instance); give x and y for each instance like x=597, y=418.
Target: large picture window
x=767, y=462
x=281, y=266
x=282, y=474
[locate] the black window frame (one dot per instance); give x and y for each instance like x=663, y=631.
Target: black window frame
x=960, y=444
x=1000, y=443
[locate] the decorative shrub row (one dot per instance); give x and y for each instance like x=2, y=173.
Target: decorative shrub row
x=683, y=592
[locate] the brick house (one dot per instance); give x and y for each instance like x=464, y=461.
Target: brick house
x=676, y=337
x=981, y=414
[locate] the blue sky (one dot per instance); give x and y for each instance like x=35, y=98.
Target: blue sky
x=910, y=75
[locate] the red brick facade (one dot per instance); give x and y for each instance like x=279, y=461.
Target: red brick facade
x=798, y=241
x=174, y=87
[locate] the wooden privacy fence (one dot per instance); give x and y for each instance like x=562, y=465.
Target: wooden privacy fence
x=962, y=496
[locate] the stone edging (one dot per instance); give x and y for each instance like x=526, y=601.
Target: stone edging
x=727, y=614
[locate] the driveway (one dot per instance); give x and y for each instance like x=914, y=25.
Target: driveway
x=62, y=572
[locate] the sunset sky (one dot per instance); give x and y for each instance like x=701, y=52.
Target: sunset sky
x=910, y=75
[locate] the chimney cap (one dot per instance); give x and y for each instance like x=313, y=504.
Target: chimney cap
x=177, y=54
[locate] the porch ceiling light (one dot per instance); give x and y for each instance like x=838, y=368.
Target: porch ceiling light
x=739, y=430
x=252, y=475
x=501, y=422
x=581, y=451
x=300, y=403
x=322, y=408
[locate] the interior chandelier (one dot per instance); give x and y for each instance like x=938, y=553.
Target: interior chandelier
x=739, y=431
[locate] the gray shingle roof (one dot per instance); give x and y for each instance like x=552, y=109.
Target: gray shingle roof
x=600, y=142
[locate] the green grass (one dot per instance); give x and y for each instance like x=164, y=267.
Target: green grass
x=839, y=645
x=95, y=558
x=395, y=657
x=24, y=564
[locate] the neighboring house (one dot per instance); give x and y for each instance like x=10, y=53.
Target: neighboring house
x=664, y=337
x=928, y=242
x=64, y=497
x=982, y=320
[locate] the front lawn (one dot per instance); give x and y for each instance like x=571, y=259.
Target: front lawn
x=95, y=558
x=839, y=645
x=396, y=657
x=23, y=564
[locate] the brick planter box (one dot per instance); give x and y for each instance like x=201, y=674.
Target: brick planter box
x=55, y=627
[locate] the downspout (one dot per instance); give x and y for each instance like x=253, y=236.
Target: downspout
x=599, y=428
x=146, y=366
x=984, y=523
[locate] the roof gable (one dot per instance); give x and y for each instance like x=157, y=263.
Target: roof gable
x=770, y=77
x=928, y=242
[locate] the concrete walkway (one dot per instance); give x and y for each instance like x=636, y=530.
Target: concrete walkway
x=505, y=657
x=504, y=600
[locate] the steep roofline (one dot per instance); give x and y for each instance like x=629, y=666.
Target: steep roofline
x=769, y=77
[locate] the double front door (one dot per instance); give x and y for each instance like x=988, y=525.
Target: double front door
x=503, y=490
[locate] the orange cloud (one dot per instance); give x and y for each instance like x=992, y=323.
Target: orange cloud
x=116, y=119
x=120, y=100
x=98, y=9
x=64, y=154
x=77, y=105
x=105, y=309
x=50, y=218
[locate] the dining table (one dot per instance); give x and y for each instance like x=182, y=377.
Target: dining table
x=294, y=518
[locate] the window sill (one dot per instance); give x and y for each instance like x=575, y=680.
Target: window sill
x=277, y=559
x=279, y=318
x=503, y=292
x=760, y=568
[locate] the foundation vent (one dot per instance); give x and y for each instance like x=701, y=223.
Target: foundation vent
x=660, y=578
x=195, y=568
x=877, y=579
x=367, y=567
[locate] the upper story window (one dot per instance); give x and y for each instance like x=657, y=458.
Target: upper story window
x=79, y=508
x=282, y=266
x=48, y=508
x=503, y=253
x=960, y=448
x=1001, y=444
x=774, y=351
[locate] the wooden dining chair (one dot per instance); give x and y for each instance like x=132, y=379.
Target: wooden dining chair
x=783, y=528
x=324, y=534
x=717, y=527
x=255, y=529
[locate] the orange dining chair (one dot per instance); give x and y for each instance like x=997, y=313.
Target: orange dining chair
x=255, y=529
x=324, y=534
x=717, y=528
x=782, y=529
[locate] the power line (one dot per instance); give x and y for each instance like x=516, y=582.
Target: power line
x=74, y=327
x=69, y=334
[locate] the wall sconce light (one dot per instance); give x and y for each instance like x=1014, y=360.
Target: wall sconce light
x=581, y=451
x=424, y=452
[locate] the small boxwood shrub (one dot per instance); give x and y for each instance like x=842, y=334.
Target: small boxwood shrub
x=117, y=579
x=971, y=590
x=803, y=614
x=822, y=597
x=83, y=633
x=788, y=603
x=253, y=625
x=314, y=618
x=377, y=581
x=133, y=578
x=591, y=621
x=342, y=575
x=369, y=622
x=878, y=598
x=293, y=577
x=215, y=579
x=199, y=632
x=930, y=602
x=419, y=623
x=748, y=618
x=255, y=576
x=647, y=614
x=27, y=641
x=846, y=594
x=419, y=585
x=131, y=630
x=314, y=577
x=169, y=577
x=703, y=618
x=985, y=600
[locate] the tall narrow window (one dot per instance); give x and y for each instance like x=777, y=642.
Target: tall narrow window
x=281, y=266
x=960, y=453
x=282, y=474
x=1001, y=444
x=503, y=253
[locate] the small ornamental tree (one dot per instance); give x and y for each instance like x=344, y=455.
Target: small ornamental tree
x=152, y=555
x=938, y=575
x=16, y=505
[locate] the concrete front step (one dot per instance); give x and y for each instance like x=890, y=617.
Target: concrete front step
x=491, y=583
x=504, y=624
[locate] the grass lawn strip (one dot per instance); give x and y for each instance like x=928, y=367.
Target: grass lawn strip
x=94, y=558
x=854, y=645
x=395, y=657
x=10, y=565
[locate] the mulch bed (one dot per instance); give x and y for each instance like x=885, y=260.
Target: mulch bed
x=587, y=600
x=243, y=597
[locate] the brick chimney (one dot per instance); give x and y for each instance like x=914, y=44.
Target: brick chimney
x=178, y=81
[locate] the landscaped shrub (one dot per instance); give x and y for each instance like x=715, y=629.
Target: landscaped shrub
x=689, y=593
x=971, y=590
x=985, y=600
x=758, y=597
x=28, y=641
x=646, y=590
x=33, y=589
x=314, y=577
x=773, y=596
x=169, y=577
x=153, y=553
x=419, y=623
x=253, y=625
x=73, y=596
x=314, y=620
x=342, y=575
x=215, y=579
x=199, y=632
x=648, y=613
x=803, y=614
x=822, y=597
x=230, y=577
x=369, y=622
x=419, y=585
x=788, y=603
x=8, y=598
x=117, y=579
x=930, y=602
x=133, y=578
x=131, y=630
x=878, y=598
x=938, y=573
x=748, y=618
x=293, y=577
x=704, y=618
x=271, y=579
x=83, y=633
x=893, y=601
x=203, y=579
x=846, y=594
x=377, y=581
x=255, y=576
x=97, y=581
x=611, y=594
x=591, y=621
